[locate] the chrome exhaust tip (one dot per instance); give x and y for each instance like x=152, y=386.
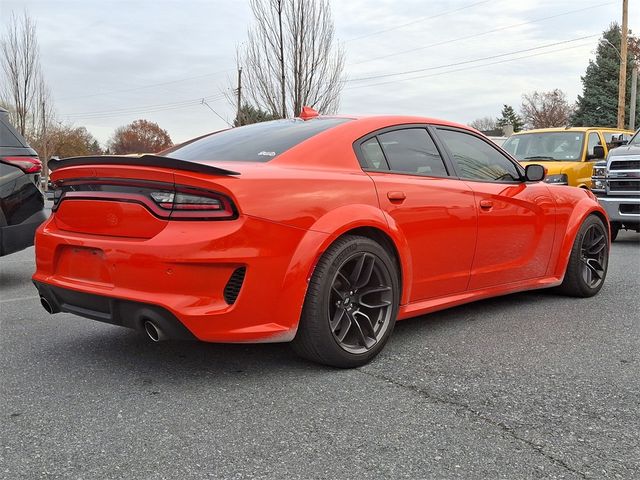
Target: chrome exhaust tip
x=153, y=331
x=46, y=305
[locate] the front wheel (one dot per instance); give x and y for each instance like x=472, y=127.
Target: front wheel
x=351, y=304
x=589, y=259
x=615, y=229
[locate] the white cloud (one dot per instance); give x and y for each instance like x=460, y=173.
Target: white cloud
x=107, y=55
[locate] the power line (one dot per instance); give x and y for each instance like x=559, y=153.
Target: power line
x=204, y=102
x=466, y=68
x=407, y=72
x=144, y=108
x=143, y=87
x=417, y=21
x=475, y=35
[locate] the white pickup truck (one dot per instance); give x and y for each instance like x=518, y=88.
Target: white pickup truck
x=616, y=183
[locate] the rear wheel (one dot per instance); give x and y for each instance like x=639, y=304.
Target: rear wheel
x=351, y=304
x=589, y=260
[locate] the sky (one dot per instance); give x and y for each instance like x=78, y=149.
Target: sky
x=110, y=62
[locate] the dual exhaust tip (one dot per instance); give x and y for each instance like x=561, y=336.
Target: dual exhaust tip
x=48, y=306
x=153, y=331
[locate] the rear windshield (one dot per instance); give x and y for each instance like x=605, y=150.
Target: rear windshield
x=259, y=142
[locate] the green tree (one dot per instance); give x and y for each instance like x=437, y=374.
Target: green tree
x=510, y=117
x=250, y=114
x=598, y=104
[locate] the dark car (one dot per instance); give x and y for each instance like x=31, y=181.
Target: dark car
x=21, y=201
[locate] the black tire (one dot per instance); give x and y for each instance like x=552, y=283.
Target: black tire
x=615, y=229
x=345, y=322
x=589, y=259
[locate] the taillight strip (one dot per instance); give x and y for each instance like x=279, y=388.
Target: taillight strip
x=214, y=206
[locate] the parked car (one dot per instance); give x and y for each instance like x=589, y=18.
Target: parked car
x=321, y=231
x=568, y=154
x=21, y=200
x=616, y=183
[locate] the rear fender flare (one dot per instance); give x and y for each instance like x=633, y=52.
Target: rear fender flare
x=326, y=230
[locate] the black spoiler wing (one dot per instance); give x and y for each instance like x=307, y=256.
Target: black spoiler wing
x=142, y=160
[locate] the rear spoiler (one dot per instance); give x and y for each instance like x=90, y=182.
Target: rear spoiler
x=142, y=160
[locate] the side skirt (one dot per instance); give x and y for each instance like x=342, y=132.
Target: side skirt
x=435, y=304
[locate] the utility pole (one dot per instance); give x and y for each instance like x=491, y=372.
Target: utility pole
x=45, y=153
x=634, y=97
x=622, y=80
x=239, y=111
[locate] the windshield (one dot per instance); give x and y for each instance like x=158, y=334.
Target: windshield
x=551, y=146
x=636, y=139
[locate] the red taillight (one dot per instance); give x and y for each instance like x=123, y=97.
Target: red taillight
x=167, y=201
x=26, y=164
x=194, y=204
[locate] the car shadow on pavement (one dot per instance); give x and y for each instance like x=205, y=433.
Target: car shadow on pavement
x=115, y=348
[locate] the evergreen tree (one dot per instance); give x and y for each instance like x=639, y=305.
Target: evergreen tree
x=250, y=114
x=598, y=104
x=510, y=117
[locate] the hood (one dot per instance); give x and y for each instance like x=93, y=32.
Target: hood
x=625, y=150
x=553, y=167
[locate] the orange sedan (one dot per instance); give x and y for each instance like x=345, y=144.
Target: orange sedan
x=320, y=231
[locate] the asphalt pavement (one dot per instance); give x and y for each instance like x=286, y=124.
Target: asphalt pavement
x=530, y=385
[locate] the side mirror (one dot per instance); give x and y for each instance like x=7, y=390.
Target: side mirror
x=535, y=173
x=598, y=152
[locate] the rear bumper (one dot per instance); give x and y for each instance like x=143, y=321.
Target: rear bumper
x=112, y=310
x=183, y=272
x=620, y=209
x=18, y=237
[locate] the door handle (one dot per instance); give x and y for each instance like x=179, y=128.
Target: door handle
x=486, y=204
x=396, y=196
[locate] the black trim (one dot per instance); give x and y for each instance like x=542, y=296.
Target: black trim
x=144, y=160
x=115, y=311
x=233, y=286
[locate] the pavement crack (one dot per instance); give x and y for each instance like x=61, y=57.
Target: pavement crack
x=466, y=407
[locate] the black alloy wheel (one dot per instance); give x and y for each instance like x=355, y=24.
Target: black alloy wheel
x=589, y=259
x=594, y=255
x=351, y=304
x=360, y=304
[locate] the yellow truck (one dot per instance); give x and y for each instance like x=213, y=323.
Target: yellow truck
x=568, y=153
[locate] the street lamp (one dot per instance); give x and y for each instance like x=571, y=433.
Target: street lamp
x=613, y=46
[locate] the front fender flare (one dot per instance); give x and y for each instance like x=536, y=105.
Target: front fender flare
x=580, y=212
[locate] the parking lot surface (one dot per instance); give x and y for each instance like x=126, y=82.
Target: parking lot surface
x=530, y=385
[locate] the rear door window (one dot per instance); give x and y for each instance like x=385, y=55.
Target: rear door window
x=373, y=155
x=411, y=150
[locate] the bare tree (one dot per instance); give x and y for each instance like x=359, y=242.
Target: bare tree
x=484, y=124
x=291, y=58
x=20, y=58
x=546, y=109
